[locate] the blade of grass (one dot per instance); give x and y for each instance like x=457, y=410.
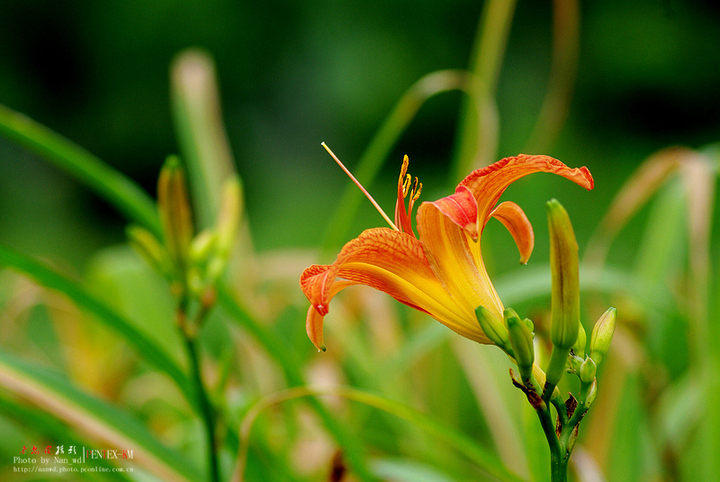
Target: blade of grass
x=563, y=70
x=147, y=350
x=477, y=138
x=110, y=184
x=96, y=419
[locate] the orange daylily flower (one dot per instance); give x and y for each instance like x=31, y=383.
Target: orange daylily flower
x=440, y=271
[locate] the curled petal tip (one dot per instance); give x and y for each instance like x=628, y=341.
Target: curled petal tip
x=589, y=182
x=517, y=223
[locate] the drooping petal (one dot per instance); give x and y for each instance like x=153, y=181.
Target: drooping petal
x=488, y=184
x=461, y=209
x=314, y=328
x=513, y=218
x=458, y=266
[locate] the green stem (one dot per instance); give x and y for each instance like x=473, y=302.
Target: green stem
x=206, y=409
x=558, y=452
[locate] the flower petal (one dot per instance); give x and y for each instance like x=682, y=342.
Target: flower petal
x=389, y=261
x=314, y=328
x=462, y=210
x=513, y=218
x=457, y=262
x=488, y=183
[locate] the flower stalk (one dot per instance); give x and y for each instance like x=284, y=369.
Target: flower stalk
x=192, y=264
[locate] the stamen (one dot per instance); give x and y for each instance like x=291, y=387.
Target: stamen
x=414, y=195
x=357, y=183
x=406, y=185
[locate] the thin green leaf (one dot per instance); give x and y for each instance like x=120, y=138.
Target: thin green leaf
x=49, y=278
x=110, y=184
x=97, y=420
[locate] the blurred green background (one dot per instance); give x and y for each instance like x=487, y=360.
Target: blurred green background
x=293, y=74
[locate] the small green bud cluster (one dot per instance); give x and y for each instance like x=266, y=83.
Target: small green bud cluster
x=191, y=263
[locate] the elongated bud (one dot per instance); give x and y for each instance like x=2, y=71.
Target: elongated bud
x=564, y=269
x=602, y=335
x=147, y=245
x=493, y=327
x=521, y=339
x=175, y=213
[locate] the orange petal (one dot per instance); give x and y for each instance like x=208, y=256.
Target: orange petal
x=320, y=285
x=389, y=261
x=488, y=183
x=462, y=210
x=458, y=266
x=314, y=328
x=514, y=219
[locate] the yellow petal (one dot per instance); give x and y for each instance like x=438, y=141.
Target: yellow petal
x=514, y=219
x=460, y=268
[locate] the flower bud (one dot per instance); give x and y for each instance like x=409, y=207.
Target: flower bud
x=587, y=370
x=521, y=339
x=602, y=335
x=493, y=327
x=147, y=245
x=564, y=268
x=202, y=247
x=175, y=213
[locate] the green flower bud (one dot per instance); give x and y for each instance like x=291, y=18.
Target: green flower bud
x=493, y=327
x=150, y=249
x=564, y=262
x=588, y=370
x=602, y=335
x=202, y=247
x=175, y=213
x=521, y=339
